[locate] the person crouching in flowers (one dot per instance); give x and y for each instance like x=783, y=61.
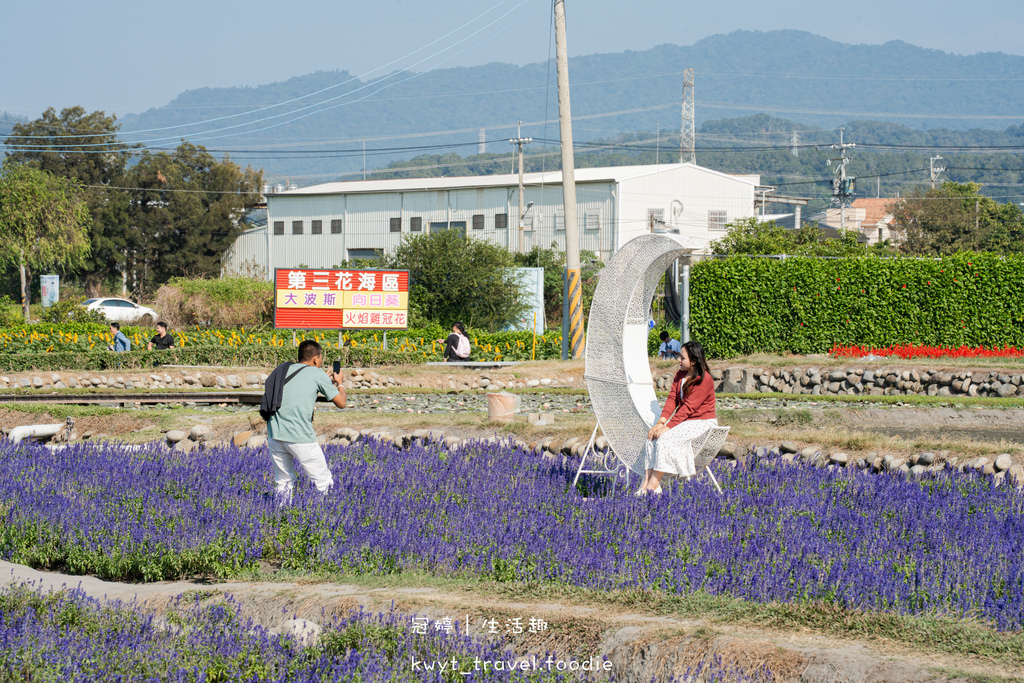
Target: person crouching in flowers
x=689, y=412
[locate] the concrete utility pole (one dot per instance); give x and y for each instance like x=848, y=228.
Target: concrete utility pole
x=572, y=286
x=934, y=170
x=842, y=187
x=519, y=141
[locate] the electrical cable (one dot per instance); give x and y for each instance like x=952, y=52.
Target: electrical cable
x=318, y=92
x=208, y=135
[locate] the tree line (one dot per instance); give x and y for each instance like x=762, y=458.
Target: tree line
x=134, y=217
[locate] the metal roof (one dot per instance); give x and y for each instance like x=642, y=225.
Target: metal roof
x=583, y=175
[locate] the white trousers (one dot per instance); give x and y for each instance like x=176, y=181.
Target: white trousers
x=309, y=456
x=672, y=452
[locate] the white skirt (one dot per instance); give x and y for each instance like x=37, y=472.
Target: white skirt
x=672, y=452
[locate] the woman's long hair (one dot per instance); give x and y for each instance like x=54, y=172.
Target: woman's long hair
x=698, y=363
x=462, y=329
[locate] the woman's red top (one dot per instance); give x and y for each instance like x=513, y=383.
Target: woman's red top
x=699, y=404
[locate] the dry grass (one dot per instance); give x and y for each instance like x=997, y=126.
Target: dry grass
x=677, y=651
x=854, y=442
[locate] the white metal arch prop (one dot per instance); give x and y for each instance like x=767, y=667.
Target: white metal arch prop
x=617, y=370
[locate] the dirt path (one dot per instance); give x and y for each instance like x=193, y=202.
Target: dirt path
x=640, y=645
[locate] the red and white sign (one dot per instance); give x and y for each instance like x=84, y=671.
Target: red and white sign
x=310, y=299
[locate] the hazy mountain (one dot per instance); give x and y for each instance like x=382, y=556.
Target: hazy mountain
x=790, y=74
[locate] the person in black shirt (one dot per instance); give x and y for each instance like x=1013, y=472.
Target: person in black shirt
x=456, y=346
x=162, y=341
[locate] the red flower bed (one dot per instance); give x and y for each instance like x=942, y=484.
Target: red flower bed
x=914, y=351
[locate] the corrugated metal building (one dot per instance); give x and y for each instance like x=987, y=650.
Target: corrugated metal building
x=322, y=225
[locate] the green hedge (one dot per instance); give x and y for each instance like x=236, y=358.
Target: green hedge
x=364, y=350
x=801, y=305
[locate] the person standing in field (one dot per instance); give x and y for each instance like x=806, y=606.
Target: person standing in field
x=293, y=388
x=161, y=341
x=669, y=347
x=120, y=343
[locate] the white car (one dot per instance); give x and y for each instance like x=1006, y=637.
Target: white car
x=121, y=310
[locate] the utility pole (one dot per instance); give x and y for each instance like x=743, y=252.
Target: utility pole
x=519, y=141
x=794, y=149
x=934, y=170
x=842, y=187
x=688, y=131
x=572, y=285
x=657, y=146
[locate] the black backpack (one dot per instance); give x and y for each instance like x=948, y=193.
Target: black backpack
x=274, y=390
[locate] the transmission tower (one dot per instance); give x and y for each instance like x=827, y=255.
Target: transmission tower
x=934, y=170
x=688, y=131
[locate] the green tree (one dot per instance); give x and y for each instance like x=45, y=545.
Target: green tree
x=957, y=217
x=553, y=263
x=751, y=236
x=768, y=238
x=43, y=222
x=185, y=210
x=455, y=278
x=84, y=148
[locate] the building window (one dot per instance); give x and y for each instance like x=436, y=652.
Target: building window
x=655, y=219
x=336, y=226
x=416, y=224
x=478, y=221
x=592, y=221
x=717, y=220
x=317, y=228
x=296, y=227
x=559, y=222
x=396, y=225
x=278, y=227
x=501, y=221
x=365, y=254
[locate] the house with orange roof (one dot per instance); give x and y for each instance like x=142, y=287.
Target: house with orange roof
x=870, y=217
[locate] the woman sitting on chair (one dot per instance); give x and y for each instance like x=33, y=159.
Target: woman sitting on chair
x=689, y=412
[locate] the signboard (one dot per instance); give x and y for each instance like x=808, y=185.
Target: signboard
x=532, y=281
x=50, y=285
x=315, y=299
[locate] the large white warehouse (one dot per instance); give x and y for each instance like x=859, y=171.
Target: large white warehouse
x=322, y=225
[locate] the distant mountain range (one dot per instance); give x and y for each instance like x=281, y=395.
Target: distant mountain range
x=792, y=74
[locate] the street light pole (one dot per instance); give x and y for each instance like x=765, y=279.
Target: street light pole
x=519, y=141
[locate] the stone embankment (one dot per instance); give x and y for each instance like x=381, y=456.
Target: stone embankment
x=135, y=380
x=812, y=381
x=358, y=378
x=886, y=381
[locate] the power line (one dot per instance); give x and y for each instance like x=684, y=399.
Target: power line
x=322, y=90
x=342, y=104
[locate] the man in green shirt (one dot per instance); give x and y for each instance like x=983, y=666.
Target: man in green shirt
x=290, y=434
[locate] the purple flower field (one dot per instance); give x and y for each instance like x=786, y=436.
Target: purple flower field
x=69, y=637
x=946, y=544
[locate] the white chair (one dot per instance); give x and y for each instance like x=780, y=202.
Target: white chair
x=705, y=450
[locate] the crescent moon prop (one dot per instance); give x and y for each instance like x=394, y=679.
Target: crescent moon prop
x=617, y=370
